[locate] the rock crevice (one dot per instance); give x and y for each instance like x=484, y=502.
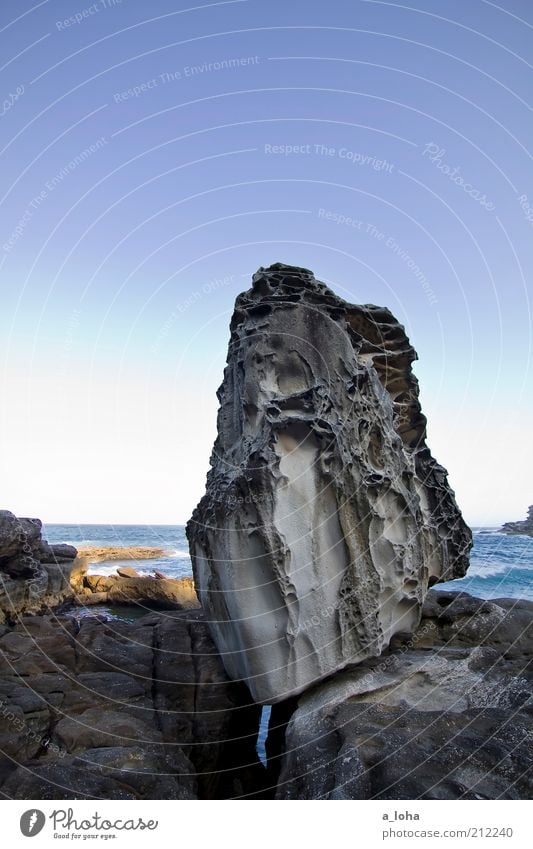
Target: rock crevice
x=104, y=708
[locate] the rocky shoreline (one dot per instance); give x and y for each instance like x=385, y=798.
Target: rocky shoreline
x=92, y=706
x=325, y=524
x=518, y=528
x=36, y=577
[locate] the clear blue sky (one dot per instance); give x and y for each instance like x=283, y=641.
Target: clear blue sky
x=154, y=155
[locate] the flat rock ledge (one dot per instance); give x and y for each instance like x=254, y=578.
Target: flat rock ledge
x=97, y=554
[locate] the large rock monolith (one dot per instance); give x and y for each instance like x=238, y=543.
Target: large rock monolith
x=325, y=517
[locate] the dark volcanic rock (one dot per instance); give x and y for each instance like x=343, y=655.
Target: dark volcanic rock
x=325, y=517
x=34, y=576
x=103, y=708
x=525, y=527
x=56, y=553
x=444, y=714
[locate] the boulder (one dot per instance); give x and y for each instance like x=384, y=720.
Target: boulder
x=444, y=714
x=56, y=553
x=325, y=517
x=78, y=574
x=128, y=572
x=11, y=533
x=34, y=576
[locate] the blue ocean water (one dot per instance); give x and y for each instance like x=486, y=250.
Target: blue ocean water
x=500, y=565
x=170, y=537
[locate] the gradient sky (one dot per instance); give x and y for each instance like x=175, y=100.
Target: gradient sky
x=141, y=187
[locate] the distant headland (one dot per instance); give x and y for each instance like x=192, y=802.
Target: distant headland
x=524, y=527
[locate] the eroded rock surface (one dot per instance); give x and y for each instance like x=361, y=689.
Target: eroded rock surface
x=325, y=517
x=446, y=714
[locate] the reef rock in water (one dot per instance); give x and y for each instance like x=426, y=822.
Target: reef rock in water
x=325, y=517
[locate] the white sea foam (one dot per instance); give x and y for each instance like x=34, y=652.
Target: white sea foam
x=484, y=533
x=110, y=567
x=487, y=570
x=102, y=569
